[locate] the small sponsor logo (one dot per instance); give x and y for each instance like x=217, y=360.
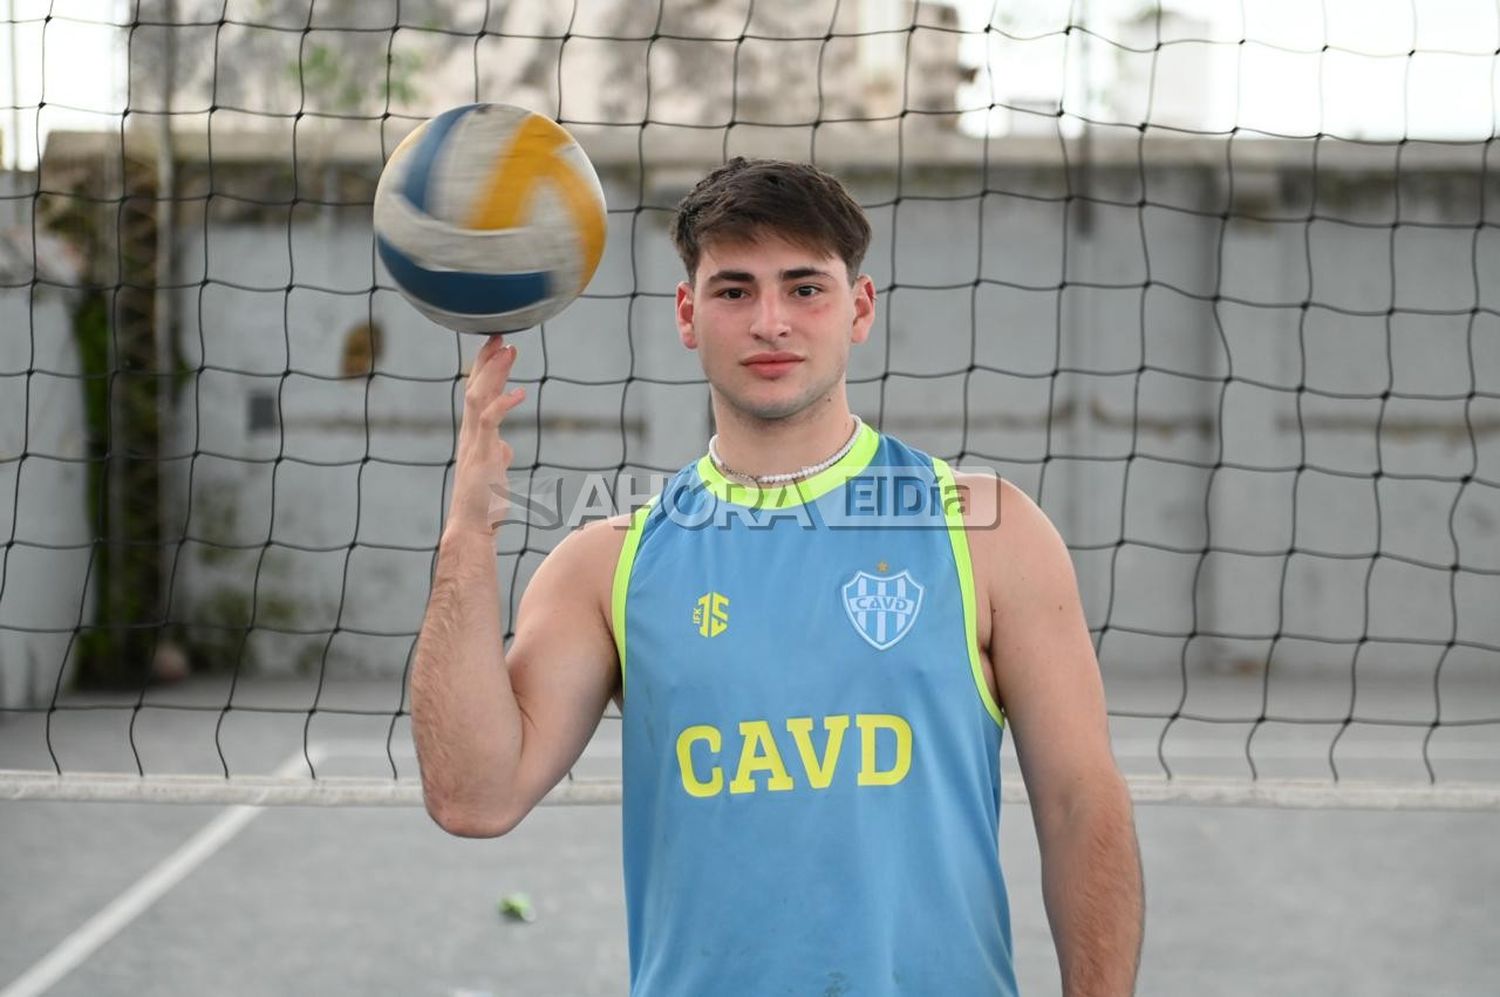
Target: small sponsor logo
x=711, y=614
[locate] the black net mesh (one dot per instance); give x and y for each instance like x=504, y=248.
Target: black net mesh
x=1216, y=288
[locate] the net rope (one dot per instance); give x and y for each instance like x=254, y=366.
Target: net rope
x=1248, y=363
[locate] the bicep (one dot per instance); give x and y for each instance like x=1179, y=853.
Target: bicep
x=1045, y=669
x=562, y=661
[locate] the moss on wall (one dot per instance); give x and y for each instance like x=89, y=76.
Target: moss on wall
x=115, y=336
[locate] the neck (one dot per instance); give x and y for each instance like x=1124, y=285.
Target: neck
x=760, y=447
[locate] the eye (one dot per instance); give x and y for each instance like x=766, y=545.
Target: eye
x=807, y=290
x=732, y=293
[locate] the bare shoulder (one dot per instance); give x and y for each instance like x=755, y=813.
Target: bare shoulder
x=564, y=649
x=596, y=542
x=997, y=513
x=584, y=561
x=1017, y=554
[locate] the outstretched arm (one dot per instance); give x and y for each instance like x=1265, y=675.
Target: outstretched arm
x=1048, y=683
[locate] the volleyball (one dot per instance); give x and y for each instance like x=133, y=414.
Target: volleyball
x=489, y=218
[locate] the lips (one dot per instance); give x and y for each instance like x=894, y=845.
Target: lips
x=771, y=365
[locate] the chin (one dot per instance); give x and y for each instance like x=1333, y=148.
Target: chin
x=775, y=413
x=772, y=409
x=774, y=402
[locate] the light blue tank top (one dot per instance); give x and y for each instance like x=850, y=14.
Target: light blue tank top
x=811, y=754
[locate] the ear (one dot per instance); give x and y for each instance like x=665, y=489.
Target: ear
x=685, y=331
x=864, y=308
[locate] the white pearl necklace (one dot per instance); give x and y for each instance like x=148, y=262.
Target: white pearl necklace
x=779, y=479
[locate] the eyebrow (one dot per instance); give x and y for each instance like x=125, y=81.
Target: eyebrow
x=746, y=277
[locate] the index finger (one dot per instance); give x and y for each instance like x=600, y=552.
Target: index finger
x=492, y=345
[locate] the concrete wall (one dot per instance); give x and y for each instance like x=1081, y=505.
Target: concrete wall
x=1266, y=437
x=1224, y=462
x=45, y=532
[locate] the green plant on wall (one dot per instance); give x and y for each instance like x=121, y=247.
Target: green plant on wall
x=96, y=645
x=121, y=426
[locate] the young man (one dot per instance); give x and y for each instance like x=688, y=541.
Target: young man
x=812, y=685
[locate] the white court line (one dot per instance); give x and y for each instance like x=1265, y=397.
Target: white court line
x=73, y=950
x=77, y=947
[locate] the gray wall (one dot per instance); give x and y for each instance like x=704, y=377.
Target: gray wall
x=1225, y=462
x=45, y=533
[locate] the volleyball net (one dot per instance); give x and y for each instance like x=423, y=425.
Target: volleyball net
x=1213, y=283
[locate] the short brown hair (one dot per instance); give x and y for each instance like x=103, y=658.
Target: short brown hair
x=747, y=198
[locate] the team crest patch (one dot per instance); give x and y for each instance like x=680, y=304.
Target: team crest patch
x=882, y=608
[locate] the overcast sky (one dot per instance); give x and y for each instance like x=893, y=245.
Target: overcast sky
x=1367, y=84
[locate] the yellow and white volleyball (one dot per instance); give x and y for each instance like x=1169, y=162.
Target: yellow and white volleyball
x=489, y=218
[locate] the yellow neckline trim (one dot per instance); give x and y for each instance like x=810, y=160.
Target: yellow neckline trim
x=793, y=493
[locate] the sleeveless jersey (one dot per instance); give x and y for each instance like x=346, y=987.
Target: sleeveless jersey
x=811, y=753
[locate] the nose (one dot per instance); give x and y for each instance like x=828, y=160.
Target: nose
x=770, y=319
